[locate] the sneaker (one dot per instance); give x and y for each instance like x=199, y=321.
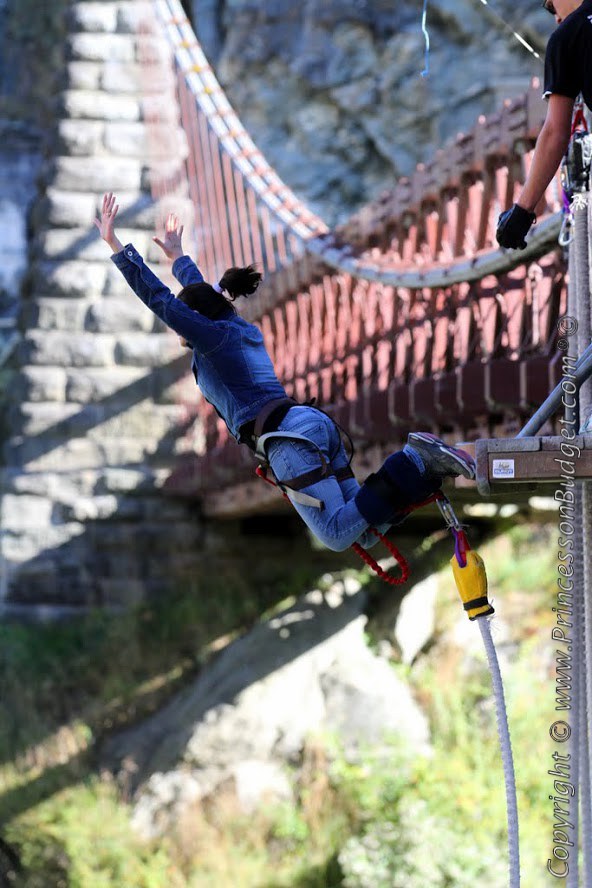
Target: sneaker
x=440, y=459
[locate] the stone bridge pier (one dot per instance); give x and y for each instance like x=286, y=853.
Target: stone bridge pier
x=96, y=405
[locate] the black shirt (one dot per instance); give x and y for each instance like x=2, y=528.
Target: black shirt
x=568, y=60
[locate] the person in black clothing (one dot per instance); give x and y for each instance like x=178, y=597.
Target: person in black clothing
x=568, y=72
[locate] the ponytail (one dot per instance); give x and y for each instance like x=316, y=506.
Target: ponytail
x=212, y=301
x=240, y=281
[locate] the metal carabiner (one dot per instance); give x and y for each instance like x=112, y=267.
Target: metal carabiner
x=461, y=543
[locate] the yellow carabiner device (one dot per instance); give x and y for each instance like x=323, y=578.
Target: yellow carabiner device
x=471, y=582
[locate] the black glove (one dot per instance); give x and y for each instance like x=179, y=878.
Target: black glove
x=512, y=227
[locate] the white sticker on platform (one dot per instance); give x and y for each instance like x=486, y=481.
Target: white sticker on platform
x=502, y=468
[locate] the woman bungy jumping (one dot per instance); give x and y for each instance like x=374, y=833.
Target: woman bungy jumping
x=302, y=444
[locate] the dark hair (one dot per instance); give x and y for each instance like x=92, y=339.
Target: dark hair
x=213, y=305
x=240, y=281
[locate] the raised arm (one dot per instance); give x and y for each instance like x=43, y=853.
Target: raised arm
x=198, y=330
x=184, y=268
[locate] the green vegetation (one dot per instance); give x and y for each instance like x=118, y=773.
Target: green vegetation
x=385, y=819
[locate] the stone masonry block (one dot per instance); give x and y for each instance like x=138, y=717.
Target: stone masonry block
x=84, y=243
x=121, y=384
x=57, y=419
x=101, y=47
x=83, y=75
x=140, y=421
x=95, y=508
x=119, y=316
x=143, y=350
x=93, y=17
x=122, y=77
x=15, y=481
x=24, y=511
x=127, y=139
x=127, y=451
x=65, y=209
x=90, y=105
x=71, y=209
x=57, y=349
x=160, y=108
x=126, y=77
x=27, y=543
x=124, y=481
x=153, y=49
x=46, y=455
x=97, y=174
x=133, y=15
x=74, y=279
x=78, y=454
x=80, y=138
x=166, y=143
x=53, y=313
x=41, y=384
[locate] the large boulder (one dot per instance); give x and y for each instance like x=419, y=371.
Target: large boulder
x=306, y=671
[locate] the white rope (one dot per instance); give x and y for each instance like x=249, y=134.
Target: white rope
x=511, y=30
x=506, y=749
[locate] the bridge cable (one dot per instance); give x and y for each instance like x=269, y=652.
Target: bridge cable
x=511, y=30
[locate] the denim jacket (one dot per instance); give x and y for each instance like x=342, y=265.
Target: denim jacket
x=230, y=362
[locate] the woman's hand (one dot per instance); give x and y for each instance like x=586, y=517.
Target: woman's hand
x=171, y=245
x=106, y=222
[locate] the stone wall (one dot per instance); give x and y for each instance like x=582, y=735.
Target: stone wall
x=96, y=409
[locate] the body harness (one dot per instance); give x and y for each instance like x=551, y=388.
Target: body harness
x=256, y=437
x=260, y=438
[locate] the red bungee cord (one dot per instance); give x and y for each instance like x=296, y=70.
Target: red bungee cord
x=398, y=556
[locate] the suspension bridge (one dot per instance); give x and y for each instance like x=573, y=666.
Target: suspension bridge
x=407, y=316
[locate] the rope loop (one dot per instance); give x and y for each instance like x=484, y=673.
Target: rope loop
x=374, y=565
x=398, y=556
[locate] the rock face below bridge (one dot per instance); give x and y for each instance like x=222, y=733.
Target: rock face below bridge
x=332, y=92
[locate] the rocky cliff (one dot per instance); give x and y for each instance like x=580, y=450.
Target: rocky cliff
x=332, y=91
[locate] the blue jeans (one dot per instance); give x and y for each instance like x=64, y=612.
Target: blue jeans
x=339, y=523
